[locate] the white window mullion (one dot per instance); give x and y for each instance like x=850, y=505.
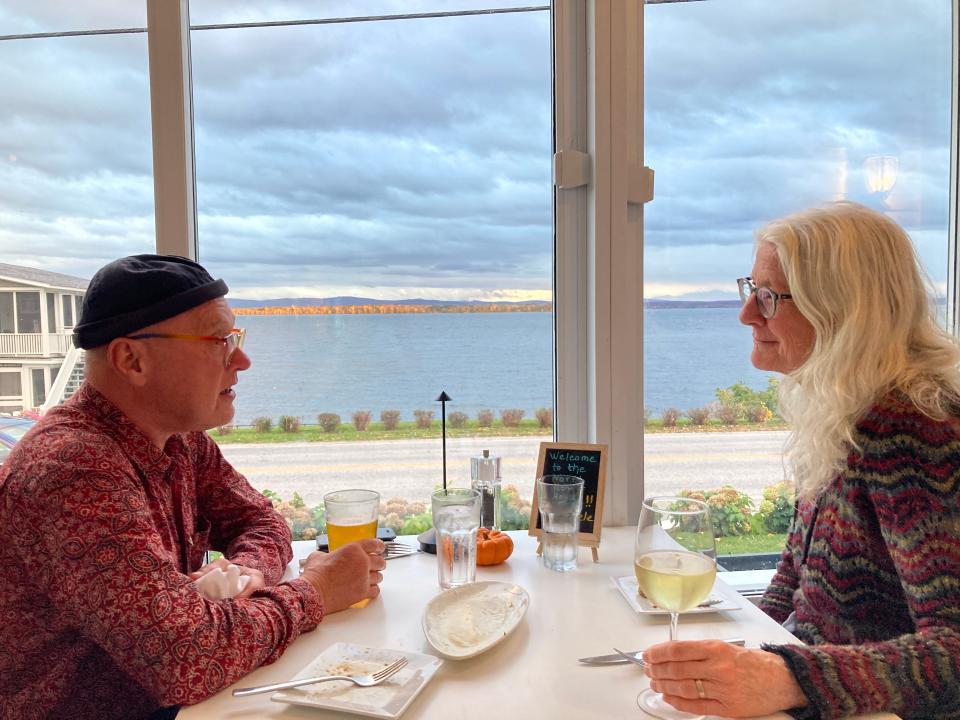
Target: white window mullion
x=953, y=235
x=599, y=251
x=171, y=101
x=572, y=300
x=618, y=109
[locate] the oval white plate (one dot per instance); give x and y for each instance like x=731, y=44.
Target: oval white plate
x=463, y=622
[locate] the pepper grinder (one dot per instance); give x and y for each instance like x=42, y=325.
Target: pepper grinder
x=485, y=477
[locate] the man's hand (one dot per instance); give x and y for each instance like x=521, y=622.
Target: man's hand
x=736, y=682
x=347, y=575
x=255, y=582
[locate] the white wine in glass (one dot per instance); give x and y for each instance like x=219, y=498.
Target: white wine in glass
x=675, y=563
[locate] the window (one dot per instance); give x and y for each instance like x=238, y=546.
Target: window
x=76, y=184
x=51, y=312
x=67, y=311
x=39, y=386
x=853, y=103
x=344, y=165
x=6, y=313
x=28, y=312
x=10, y=383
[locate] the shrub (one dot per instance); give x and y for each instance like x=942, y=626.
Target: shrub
x=485, y=418
x=289, y=424
x=330, y=422
x=545, y=417
x=699, y=416
x=730, y=509
x=647, y=414
x=361, y=420
x=224, y=429
x=423, y=417
x=390, y=419
x=758, y=413
x=670, y=416
x=405, y=517
x=741, y=397
x=776, y=508
x=511, y=417
x=263, y=424
x=458, y=419
x=728, y=415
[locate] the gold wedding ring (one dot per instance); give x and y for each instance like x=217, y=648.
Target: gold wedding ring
x=700, y=692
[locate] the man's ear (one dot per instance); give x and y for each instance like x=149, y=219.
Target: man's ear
x=127, y=358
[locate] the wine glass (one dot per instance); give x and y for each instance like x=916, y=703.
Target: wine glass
x=675, y=563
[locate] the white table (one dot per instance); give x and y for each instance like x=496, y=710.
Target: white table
x=533, y=673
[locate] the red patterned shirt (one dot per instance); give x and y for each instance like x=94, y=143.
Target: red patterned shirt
x=97, y=530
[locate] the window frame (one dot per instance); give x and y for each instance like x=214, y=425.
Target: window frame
x=598, y=254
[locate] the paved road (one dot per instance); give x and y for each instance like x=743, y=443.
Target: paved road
x=410, y=469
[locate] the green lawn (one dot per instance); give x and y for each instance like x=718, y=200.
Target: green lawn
x=684, y=425
x=405, y=431
x=408, y=430
x=750, y=544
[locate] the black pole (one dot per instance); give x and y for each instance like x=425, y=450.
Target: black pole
x=443, y=398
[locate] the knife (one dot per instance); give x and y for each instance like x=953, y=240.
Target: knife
x=615, y=659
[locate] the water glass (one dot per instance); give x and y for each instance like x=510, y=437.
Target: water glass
x=456, y=519
x=560, y=500
x=351, y=515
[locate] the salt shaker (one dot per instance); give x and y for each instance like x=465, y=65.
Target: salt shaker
x=485, y=477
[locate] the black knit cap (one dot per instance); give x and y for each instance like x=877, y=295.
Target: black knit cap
x=134, y=292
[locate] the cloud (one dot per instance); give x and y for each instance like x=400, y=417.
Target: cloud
x=414, y=155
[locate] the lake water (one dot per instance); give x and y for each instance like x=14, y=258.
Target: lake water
x=305, y=365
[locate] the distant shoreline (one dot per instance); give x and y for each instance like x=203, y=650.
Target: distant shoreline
x=375, y=308
x=391, y=309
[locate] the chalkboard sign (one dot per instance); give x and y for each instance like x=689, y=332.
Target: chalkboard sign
x=580, y=460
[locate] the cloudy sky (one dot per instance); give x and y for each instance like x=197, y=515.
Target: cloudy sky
x=411, y=158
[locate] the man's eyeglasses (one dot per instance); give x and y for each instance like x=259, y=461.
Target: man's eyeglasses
x=232, y=341
x=767, y=299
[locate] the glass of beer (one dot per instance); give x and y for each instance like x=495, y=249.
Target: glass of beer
x=351, y=515
x=675, y=563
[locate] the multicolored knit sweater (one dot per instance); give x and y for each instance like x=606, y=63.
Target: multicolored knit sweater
x=872, y=571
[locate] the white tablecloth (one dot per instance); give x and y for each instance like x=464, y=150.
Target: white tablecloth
x=533, y=673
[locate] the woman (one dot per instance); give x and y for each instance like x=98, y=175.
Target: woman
x=870, y=576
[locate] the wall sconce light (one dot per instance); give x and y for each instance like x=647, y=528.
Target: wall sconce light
x=880, y=173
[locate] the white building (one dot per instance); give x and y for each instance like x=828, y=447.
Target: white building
x=37, y=312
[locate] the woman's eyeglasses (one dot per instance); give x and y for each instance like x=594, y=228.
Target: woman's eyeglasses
x=232, y=341
x=767, y=299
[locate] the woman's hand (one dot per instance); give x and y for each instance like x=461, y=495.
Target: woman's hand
x=735, y=682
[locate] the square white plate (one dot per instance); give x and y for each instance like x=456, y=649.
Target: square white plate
x=627, y=585
x=387, y=700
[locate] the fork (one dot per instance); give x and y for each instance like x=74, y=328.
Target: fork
x=362, y=680
x=396, y=550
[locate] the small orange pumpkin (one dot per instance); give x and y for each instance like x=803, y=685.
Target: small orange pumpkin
x=493, y=547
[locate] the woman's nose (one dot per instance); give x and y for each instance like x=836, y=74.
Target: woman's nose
x=750, y=313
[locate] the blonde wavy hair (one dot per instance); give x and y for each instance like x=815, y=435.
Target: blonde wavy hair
x=854, y=275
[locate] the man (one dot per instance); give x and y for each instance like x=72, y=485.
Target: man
x=108, y=506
